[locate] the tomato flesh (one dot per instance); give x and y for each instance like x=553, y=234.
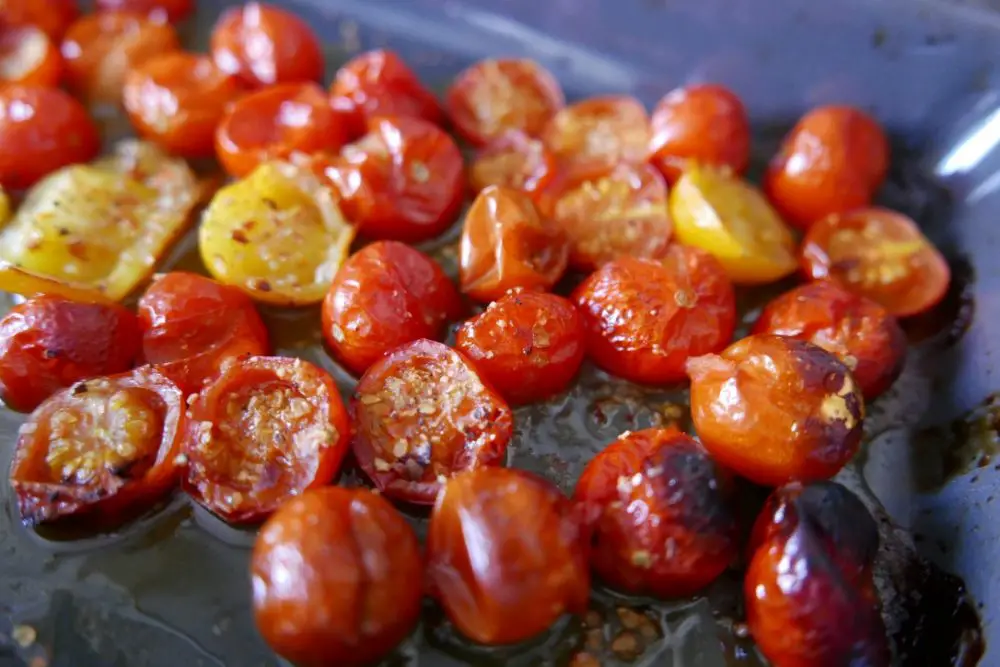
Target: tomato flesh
x=28, y=56
x=379, y=83
x=513, y=160
x=598, y=133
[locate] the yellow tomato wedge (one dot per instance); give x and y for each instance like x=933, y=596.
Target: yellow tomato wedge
x=278, y=234
x=5, y=211
x=725, y=216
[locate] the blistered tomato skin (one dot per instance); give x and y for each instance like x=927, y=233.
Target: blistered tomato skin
x=379, y=83
x=52, y=16
x=663, y=521
x=29, y=57
x=170, y=10
x=775, y=409
x=527, y=565
x=513, y=160
x=643, y=318
x=598, y=133
x=337, y=578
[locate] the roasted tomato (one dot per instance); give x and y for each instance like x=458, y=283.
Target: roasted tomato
x=857, y=330
x=378, y=83
x=879, y=254
x=422, y=414
x=52, y=16
x=776, y=409
x=810, y=598
x=386, y=295
x=169, y=10
x=266, y=429
x=514, y=160
x=833, y=161
x=107, y=448
x=662, y=511
x=507, y=555
x=599, y=133
x=506, y=244
x=337, y=578
x=264, y=45
x=28, y=56
x=643, y=318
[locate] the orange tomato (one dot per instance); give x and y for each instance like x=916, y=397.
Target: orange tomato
x=28, y=56
x=598, y=133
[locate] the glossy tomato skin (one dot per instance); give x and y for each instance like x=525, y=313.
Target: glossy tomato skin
x=170, y=10
x=52, y=16
x=529, y=568
x=644, y=318
x=662, y=512
x=423, y=414
x=352, y=591
x=379, y=83
x=385, y=295
x=513, y=160
x=29, y=57
x=598, y=133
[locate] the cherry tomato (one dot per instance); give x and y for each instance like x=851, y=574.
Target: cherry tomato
x=107, y=448
x=644, y=318
x=177, y=99
x=514, y=160
x=833, y=161
x=265, y=430
x=52, y=16
x=170, y=10
x=664, y=521
x=421, y=415
x=378, y=83
x=879, y=254
x=264, y=45
x=507, y=555
x=337, y=578
x=598, y=133
x=706, y=124
x=28, y=56
x=857, y=330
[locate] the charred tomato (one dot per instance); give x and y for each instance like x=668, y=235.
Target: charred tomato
x=379, y=83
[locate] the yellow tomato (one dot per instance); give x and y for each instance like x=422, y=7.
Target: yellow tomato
x=5, y=211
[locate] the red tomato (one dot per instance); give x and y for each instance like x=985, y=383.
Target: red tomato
x=28, y=56
x=52, y=16
x=879, y=254
x=833, y=161
x=643, y=318
x=265, y=430
x=706, y=124
x=506, y=555
x=106, y=448
x=264, y=45
x=385, y=295
x=664, y=523
x=337, y=578
x=378, y=83
x=41, y=130
x=515, y=161
x=599, y=133
x=169, y=10
x=421, y=415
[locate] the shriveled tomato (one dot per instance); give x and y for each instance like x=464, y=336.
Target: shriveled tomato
x=599, y=133
x=29, y=56
x=506, y=555
x=379, y=83
x=106, y=448
x=52, y=16
x=265, y=430
x=833, y=161
x=169, y=10
x=643, y=318
x=664, y=522
x=351, y=592
x=879, y=254
x=513, y=160
x=421, y=415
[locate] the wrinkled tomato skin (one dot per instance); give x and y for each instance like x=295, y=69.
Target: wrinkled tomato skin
x=422, y=414
x=775, y=409
x=52, y=16
x=529, y=568
x=171, y=10
x=513, y=160
x=663, y=521
x=379, y=83
x=385, y=295
x=643, y=318
x=598, y=133
x=353, y=590
x=49, y=343
x=528, y=345
x=22, y=43
x=857, y=330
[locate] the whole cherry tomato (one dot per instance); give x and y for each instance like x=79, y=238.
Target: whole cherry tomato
x=378, y=83
x=107, y=448
x=52, y=16
x=506, y=555
x=643, y=318
x=526, y=344
x=385, y=295
x=879, y=254
x=170, y=10
x=776, y=409
x=337, y=578
x=599, y=133
x=513, y=160
x=663, y=514
x=423, y=414
x=29, y=56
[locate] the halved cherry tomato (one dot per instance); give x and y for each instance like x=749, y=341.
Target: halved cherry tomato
x=52, y=16
x=775, y=409
x=664, y=521
x=265, y=430
x=833, y=161
x=28, y=56
x=177, y=99
x=107, y=448
x=264, y=45
x=421, y=415
x=506, y=555
x=644, y=318
x=879, y=254
x=705, y=124
x=526, y=344
x=385, y=295
x=514, y=160
x=49, y=342
x=599, y=133
x=351, y=592
x=170, y=10
x=506, y=244
x=379, y=83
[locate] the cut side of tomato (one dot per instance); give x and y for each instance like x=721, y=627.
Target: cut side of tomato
x=598, y=133
x=28, y=56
